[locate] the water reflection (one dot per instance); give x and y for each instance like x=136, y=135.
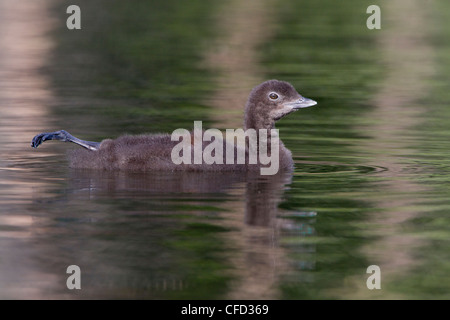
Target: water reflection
x=133, y=235
x=234, y=56
x=24, y=101
x=129, y=232
x=365, y=190
x=408, y=58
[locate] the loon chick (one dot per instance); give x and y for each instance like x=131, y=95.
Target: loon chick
x=267, y=103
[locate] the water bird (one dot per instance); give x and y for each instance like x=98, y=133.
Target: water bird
x=267, y=103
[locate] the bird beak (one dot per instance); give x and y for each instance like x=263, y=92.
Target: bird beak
x=302, y=103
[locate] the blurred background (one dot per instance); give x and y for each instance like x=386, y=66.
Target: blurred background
x=372, y=178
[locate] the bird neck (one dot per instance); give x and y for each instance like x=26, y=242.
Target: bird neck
x=263, y=128
x=253, y=119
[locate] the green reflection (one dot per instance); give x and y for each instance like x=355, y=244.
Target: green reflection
x=138, y=68
x=139, y=63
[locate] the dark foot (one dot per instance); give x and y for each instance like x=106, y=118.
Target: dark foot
x=63, y=135
x=38, y=139
x=41, y=137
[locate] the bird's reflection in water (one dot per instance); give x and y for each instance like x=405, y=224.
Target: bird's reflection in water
x=246, y=205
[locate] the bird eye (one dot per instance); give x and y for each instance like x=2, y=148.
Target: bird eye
x=273, y=96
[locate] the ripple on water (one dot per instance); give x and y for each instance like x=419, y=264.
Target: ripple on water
x=27, y=163
x=325, y=167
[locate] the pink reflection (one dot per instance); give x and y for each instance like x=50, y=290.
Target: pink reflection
x=24, y=93
x=234, y=56
x=24, y=99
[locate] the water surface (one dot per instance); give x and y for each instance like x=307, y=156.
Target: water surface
x=370, y=185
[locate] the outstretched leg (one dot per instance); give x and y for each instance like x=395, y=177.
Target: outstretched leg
x=63, y=136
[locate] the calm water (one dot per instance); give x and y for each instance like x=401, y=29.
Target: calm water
x=372, y=178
